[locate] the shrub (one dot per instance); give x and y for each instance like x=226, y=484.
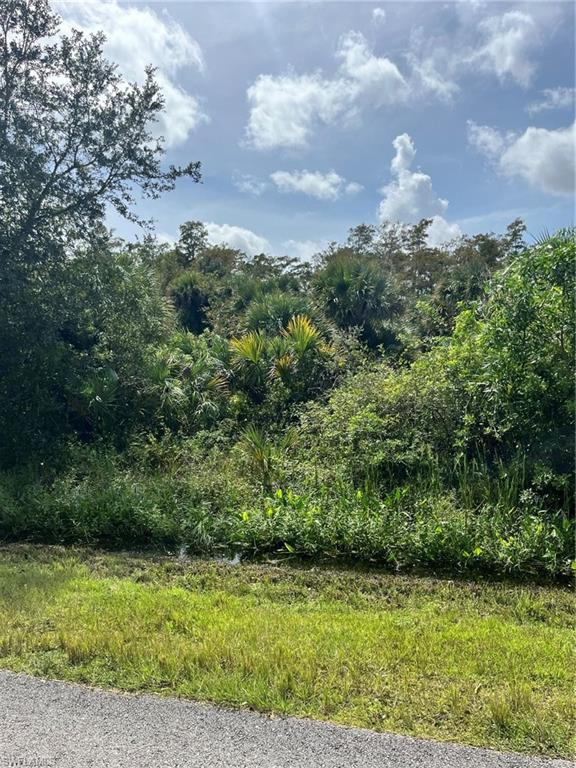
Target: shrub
x=406, y=529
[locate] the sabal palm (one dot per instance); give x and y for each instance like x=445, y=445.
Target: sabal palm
x=249, y=362
x=302, y=335
x=273, y=312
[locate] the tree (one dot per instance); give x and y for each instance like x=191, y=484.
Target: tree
x=219, y=261
x=524, y=339
x=75, y=138
x=193, y=239
x=355, y=292
x=461, y=276
x=189, y=294
x=498, y=390
x=362, y=239
x=273, y=311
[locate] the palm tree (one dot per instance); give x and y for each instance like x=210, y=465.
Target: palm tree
x=249, y=363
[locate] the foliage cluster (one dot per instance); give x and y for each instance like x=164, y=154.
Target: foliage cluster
x=388, y=400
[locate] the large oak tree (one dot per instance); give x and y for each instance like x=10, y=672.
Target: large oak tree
x=75, y=140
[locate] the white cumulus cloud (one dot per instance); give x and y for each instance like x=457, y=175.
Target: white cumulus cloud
x=379, y=15
x=411, y=196
x=137, y=37
x=236, y=237
x=442, y=231
x=249, y=184
x=375, y=77
x=323, y=186
x=508, y=46
x=553, y=98
x=285, y=109
x=304, y=250
x=405, y=153
x=544, y=158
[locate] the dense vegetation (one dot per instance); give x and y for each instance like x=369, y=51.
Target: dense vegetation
x=388, y=401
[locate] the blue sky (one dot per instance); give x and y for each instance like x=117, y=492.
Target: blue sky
x=310, y=118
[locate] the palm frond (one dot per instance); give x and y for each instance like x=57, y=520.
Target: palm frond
x=302, y=334
x=282, y=367
x=250, y=347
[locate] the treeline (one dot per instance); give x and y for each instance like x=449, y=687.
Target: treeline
x=360, y=405
x=388, y=401
x=143, y=336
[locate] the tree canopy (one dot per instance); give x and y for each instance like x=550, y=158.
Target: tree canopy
x=75, y=139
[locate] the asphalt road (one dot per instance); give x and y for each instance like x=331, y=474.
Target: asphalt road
x=58, y=725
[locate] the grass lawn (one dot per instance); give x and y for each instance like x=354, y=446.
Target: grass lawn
x=478, y=662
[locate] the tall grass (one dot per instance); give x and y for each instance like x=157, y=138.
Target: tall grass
x=434, y=658
x=481, y=519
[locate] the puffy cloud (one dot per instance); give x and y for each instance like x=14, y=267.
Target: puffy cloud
x=304, y=250
x=285, y=109
x=544, y=158
x=509, y=43
x=486, y=140
x=411, y=197
x=324, y=186
x=353, y=188
x=378, y=15
x=442, y=231
x=245, y=182
x=137, y=37
x=236, y=237
x=405, y=153
x=182, y=113
x=553, y=98
x=369, y=75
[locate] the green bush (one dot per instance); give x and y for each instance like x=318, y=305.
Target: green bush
x=196, y=494
x=405, y=530
x=111, y=511
x=499, y=389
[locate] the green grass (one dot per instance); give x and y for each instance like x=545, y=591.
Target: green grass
x=478, y=662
